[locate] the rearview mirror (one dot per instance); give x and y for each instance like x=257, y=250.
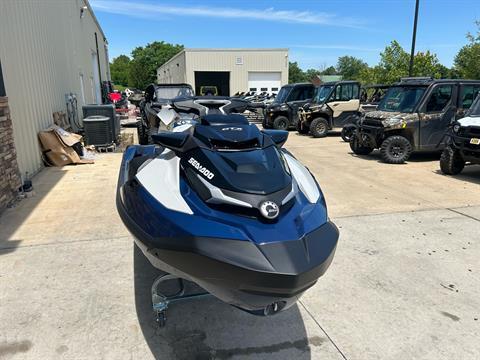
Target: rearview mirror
x=279, y=137
x=171, y=140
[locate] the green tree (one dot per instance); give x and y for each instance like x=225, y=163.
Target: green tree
x=146, y=60
x=119, y=69
x=394, y=64
x=427, y=64
x=295, y=73
x=329, y=71
x=467, y=61
x=370, y=75
x=350, y=67
x=310, y=74
x=394, y=61
x=446, y=73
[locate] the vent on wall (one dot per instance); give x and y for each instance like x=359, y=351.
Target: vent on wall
x=239, y=60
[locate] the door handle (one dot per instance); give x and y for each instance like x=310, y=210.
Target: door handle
x=335, y=105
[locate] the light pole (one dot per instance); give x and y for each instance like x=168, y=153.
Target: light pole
x=412, y=52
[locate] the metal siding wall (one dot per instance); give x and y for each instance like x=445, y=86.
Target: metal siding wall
x=44, y=46
x=170, y=73
x=224, y=60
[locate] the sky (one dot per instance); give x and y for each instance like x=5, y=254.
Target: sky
x=316, y=32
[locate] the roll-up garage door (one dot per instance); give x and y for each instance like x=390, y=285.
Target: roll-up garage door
x=264, y=81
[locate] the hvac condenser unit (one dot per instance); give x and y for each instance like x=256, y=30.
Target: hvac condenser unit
x=107, y=111
x=98, y=130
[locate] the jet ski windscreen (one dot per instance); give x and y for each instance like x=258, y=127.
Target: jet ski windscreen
x=258, y=171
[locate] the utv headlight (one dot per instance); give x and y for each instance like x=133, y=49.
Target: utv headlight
x=456, y=128
x=394, y=122
x=284, y=107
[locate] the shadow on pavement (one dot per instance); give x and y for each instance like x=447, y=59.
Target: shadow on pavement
x=471, y=174
x=13, y=218
x=415, y=157
x=425, y=156
x=207, y=328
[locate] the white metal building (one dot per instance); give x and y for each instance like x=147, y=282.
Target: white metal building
x=230, y=70
x=48, y=49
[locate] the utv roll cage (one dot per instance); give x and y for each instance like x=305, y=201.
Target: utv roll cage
x=150, y=91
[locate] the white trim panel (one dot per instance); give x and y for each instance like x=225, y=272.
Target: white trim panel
x=161, y=178
x=304, y=179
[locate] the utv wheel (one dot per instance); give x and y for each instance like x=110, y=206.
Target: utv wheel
x=357, y=147
x=347, y=133
x=142, y=133
x=451, y=162
x=280, y=123
x=395, y=150
x=319, y=128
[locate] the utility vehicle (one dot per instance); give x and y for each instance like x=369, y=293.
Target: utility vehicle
x=413, y=116
x=371, y=95
x=462, y=142
x=282, y=114
x=208, y=91
x=334, y=105
x=156, y=97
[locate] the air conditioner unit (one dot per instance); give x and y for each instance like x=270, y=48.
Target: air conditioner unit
x=98, y=130
x=107, y=111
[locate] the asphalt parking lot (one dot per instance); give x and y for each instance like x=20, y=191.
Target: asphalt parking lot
x=405, y=282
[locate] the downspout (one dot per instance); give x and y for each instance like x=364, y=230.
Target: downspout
x=98, y=61
x=107, y=61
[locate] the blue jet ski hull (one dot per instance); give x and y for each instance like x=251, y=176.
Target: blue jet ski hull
x=261, y=277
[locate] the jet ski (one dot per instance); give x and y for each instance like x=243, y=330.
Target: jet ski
x=221, y=203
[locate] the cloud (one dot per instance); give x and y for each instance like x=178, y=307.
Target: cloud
x=337, y=47
x=139, y=9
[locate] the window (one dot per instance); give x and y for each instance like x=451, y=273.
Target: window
x=253, y=89
x=309, y=92
x=346, y=92
x=439, y=98
x=275, y=89
x=469, y=92
x=263, y=89
x=322, y=93
x=301, y=93
x=402, y=98
x=172, y=92
x=282, y=95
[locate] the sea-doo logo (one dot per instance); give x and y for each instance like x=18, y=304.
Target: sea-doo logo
x=201, y=169
x=232, y=129
x=269, y=209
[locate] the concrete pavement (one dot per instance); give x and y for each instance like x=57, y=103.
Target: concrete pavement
x=404, y=282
